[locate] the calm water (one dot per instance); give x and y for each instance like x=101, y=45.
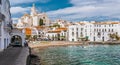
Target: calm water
x=78, y=55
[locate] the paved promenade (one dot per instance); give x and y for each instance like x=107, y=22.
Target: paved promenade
x=14, y=56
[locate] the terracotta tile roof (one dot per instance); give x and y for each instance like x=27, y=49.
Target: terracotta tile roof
x=58, y=30
x=39, y=27
x=106, y=23
x=62, y=29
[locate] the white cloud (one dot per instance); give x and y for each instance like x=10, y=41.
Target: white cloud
x=72, y=10
x=80, y=8
x=16, y=10
x=88, y=8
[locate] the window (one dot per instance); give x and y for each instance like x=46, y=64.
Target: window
x=109, y=30
x=72, y=29
x=72, y=39
x=0, y=1
x=72, y=33
x=102, y=30
x=77, y=29
x=81, y=29
x=99, y=25
x=99, y=30
x=94, y=30
x=77, y=34
x=62, y=34
x=109, y=25
x=85, y=30
x=105, y=25
x=94, y=25
x=43, y=17
x=105, y=30
x=112, y=25
x=112, y=30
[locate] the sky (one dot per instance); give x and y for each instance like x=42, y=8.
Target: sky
x=71, y=10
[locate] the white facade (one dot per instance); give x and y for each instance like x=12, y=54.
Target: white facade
x=57, y=34
x=95, y=31
x=32, y=19
x=5, y=24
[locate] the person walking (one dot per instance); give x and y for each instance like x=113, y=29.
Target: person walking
x=25, y=43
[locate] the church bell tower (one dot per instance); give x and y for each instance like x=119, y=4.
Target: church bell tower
x=33, y=10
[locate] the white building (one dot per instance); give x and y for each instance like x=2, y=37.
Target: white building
x=94, y=31
x=5, y=24
x=57, y=34
x=33, y=19
x=32, y=22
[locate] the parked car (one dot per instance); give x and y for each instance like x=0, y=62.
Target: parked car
x=16, y=44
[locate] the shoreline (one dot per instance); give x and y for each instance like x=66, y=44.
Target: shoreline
x=45, y=44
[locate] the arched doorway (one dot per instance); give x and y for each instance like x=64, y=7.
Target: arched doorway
x=16, y=38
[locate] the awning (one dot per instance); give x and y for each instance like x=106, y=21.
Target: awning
x=2, y=17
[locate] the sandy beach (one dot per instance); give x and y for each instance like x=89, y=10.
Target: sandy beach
x=41, y=44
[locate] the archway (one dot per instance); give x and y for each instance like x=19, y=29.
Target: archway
x=16, y=38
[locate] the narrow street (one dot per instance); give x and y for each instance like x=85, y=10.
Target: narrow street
x=14, y=56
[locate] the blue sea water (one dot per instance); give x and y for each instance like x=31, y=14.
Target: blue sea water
x=81, y=55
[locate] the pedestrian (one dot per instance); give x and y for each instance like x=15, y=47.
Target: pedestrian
x=25, y=43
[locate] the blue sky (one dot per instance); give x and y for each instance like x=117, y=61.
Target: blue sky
x=72, y=10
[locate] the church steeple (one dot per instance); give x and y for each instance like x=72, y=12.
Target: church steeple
x=33, y=10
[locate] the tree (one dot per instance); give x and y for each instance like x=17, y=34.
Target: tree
x=41, y=22
x=35, y=37
x=111, y=36
x=117, y=37
x=114, y=36
x=28, y=37
x=62, y=37
x=86, y=38
x=56, y=25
